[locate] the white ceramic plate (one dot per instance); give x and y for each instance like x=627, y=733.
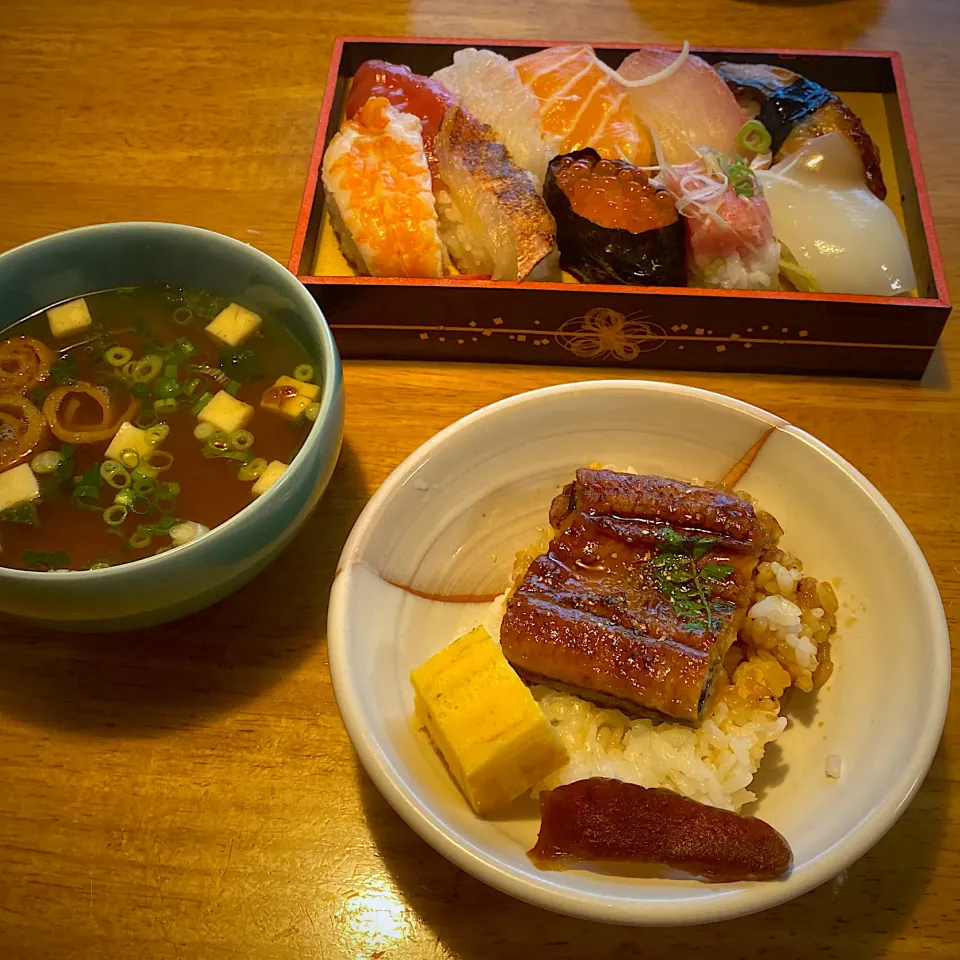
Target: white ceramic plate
x=449, y=520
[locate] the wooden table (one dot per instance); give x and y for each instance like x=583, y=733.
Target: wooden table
x=190, y=791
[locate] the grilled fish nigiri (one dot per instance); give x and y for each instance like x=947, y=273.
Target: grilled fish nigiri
x=640, y=595
x=583, y=104
x=380, y=196
x=492, y=219
x=795, y=110
x=689, y=109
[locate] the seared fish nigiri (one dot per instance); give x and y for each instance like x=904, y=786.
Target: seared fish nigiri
x=492, y=219
x=380, y=195
x=795, y=110
x=640, y=594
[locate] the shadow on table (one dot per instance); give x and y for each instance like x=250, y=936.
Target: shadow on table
x=148, y=682
x=853, y=917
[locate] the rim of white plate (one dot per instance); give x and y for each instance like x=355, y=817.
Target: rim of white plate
x=546, y=891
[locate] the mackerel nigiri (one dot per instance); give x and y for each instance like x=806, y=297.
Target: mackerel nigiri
x=380, y=196
x=687, y=109
x=492, y=219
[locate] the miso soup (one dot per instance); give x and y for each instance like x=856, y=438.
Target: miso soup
x=134, y=420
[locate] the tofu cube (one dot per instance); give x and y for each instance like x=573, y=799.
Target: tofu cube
x=269, y=477
x=226, y=412
x=69, y=318
x=233, y=324
x=289, y=397
x=128, y=437
x=18, y=486
x=484, y=721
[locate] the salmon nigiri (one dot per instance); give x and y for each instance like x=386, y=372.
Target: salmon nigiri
x=583, y=104
x=687, y=108
x=380, y=196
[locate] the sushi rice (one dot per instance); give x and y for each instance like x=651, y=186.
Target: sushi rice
x=785, y=639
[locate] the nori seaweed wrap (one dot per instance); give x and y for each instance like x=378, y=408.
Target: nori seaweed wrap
x=795, y=109
x=612, y=225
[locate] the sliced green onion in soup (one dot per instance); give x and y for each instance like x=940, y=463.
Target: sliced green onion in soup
x=253, y=469
x=205, y=398
x=312, y=411
x=130, y=458
x=240, y=440
x=148, y=369
x=167, y=403
x=182, y=315
x=158, y=460
x=46, y=462
x=115, y=474
x=232, y=387
x=158, y=433
x=138, y=540
x=118, y=356
x=303, y=372
x=186, y=348
x=86, y=497
x=204, y=430
x=115, y=514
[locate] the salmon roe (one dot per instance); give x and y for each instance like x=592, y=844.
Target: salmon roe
x=614, y=194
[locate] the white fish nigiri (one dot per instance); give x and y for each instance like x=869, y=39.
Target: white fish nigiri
x=689, y=108
x=490, y=87
x=835, y=228
x=380, y=194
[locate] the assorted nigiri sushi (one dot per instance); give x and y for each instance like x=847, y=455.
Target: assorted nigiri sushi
x=795, y=110
x=687, y=108
x=612, y=225
x=664, y=172
x=494, y=222
x=584, y=104
x=837, y=230
x=489, y=86
x=380, y=196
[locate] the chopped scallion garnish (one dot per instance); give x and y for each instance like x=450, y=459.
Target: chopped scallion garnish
x=115, y=514
x=130, y=458
x=148, y=369
x=204, y=430
x=158, y=433
x=232, y=387
x=312, y=411
x=253, y=469
x=46, y=462
x=205, y=398
x=753, y=138
x=241, y=440
x=118, y=356
x=303, y=372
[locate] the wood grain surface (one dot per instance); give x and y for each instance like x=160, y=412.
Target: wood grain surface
x=189, y=791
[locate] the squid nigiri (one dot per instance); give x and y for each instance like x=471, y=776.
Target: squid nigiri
x=583, y=104
x=838, y=231
x=379, y=194
x=688, y=108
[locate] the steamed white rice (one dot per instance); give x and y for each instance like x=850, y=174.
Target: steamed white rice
x=783, y=642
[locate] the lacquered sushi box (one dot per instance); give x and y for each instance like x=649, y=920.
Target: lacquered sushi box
x=632, y=326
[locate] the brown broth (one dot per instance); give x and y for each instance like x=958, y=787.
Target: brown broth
x=210, y=490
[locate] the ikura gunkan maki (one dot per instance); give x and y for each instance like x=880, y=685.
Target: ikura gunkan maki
x=613, y=226
x=134, y=420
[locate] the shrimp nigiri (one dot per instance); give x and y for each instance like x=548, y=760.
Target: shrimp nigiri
x=380, y=195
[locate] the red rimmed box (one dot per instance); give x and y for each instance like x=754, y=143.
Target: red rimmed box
x=646, y=327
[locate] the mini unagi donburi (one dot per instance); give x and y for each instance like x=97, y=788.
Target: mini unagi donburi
x=640, y=593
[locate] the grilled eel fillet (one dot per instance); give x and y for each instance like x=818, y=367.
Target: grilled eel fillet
x=640, y=594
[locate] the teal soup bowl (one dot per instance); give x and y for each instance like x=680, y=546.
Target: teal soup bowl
x=163, y=587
